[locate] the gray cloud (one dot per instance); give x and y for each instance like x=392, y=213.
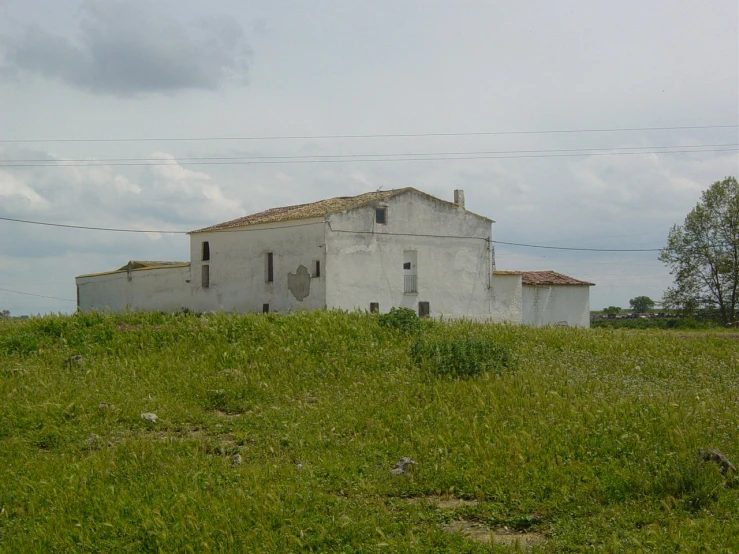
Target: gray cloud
x=127, y=48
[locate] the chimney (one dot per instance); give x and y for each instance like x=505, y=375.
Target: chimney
x=459, y=198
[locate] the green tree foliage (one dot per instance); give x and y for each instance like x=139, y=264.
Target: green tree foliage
x=612, y=310
x=5, y=314
x=641, y=304
x=703, y=254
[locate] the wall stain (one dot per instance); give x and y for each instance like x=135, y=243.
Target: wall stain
x=298, y=283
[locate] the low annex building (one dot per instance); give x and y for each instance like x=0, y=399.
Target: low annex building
x=373, y=251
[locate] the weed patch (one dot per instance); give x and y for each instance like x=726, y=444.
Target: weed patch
x=460, y=356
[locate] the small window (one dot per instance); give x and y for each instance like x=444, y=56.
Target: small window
x=374, y=307
x=206, y=276
x=424, y=309
x=265, y=308
x=381, y=216
x=316, y=268
x=406, y=265
x=270, y=267
x=206, y=251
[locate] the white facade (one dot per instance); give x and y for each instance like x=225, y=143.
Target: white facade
x=160, y=288
x=371, y=252
x=238, y=266
x=447, y=248
x=556, y=305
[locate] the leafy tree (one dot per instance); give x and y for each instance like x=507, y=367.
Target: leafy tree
x=641, y=304
x=5, y=314
x=612, y=310
x=703, y=254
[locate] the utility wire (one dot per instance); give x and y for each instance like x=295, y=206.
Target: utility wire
x=38, y=295
x=118, y=230
x=379, y=135
x=579, y=249
x=309, y=157
x=90, y=228
x=319, y=160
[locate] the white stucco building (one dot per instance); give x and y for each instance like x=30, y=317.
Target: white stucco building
x=372, y=252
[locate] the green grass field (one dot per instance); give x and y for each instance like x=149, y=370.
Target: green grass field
x=583, y=440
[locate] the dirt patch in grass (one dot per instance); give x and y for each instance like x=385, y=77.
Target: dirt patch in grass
x=446, y=503
x=505, y=537
x=227, y=415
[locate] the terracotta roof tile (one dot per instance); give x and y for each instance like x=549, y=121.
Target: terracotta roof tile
x=545, y=278
x=550, y=278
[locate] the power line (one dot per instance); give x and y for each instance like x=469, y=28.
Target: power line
x=310, y=157
x=579, y=249
x=38, y=295
x=320, y=160
x=91, y=228
x=118, y=230
x=379, y=135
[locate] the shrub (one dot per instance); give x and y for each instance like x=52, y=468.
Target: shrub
x=460, y=356
x=403, y=319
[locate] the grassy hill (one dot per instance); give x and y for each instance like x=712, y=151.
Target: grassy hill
x=279, y=433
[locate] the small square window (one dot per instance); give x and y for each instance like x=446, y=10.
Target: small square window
x=206, y=251
x=374, y=307
x=206, y=276
x=424, y=309
x=406, y=265
x=265, y=308
x=381, y=216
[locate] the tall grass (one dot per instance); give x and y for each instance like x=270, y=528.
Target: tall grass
x=591, y=440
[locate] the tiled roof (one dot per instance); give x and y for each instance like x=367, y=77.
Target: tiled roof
x=545, y=278
x=315, y=209
x=139, y=264
x=304, y=211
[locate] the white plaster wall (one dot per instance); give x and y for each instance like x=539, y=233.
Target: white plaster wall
x=366, y=264
x=507, y=298
x=549, y=305
x=164, y=289
x=237, y=267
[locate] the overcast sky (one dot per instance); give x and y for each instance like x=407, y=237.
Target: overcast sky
x=108, y=69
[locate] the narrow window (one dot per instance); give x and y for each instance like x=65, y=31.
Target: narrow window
x=381, y=216
x=270, y=267
x=410, y=272
x=265, y=308
x=206, y=251
x=316, y=268
x=206, y=276
x=424, y=309
x=374, y=307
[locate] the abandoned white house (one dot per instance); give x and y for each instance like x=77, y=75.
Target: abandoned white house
x=374, y=251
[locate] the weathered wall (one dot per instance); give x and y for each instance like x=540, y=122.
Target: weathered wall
x=507, y=298
x=364, y=260
x=237, y=268
x=163, y=289
x=550, y=305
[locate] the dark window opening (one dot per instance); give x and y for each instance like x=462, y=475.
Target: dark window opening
x=206, y=251
x=406, y=265
x=317, y=268
x=374, y=307
x=381, y=216
x=265, y=308
x=206, y=276
x=270, y=267
x=424, y=309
